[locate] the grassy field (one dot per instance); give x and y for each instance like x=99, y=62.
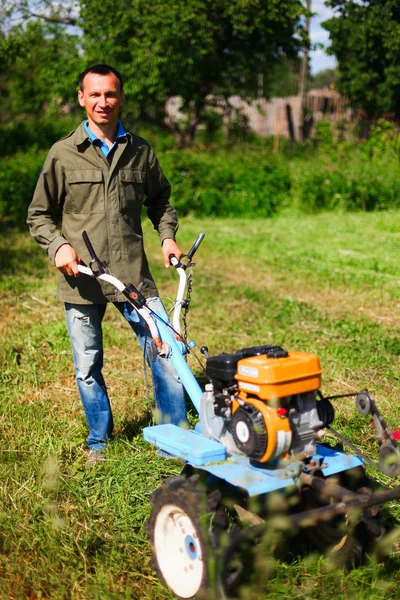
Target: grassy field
x=328, y=284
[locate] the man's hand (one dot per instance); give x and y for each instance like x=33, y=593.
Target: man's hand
x=170, y=247
x=66, y=260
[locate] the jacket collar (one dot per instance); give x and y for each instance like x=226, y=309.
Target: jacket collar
x=80, y=136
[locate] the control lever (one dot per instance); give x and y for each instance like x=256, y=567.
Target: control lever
x=98, y=267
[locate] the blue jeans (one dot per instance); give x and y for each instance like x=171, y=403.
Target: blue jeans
x=85, y=332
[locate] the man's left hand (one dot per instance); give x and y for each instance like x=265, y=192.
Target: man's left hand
x=170, y=247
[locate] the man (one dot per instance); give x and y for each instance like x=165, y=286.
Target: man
x=97, y=179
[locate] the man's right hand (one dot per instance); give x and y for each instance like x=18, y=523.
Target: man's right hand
x=66, y=260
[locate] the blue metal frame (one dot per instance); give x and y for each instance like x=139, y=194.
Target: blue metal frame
x=236, y=469
x=212, y=456
x=189, y=381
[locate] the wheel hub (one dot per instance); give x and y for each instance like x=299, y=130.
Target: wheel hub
x=178, y=551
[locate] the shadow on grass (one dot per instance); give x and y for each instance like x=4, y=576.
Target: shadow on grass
x=132, y=429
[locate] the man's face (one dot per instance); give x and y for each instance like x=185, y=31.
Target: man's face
x=102, y=98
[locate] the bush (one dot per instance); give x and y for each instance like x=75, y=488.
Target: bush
x=249, y=179
x=18, y=176
x=159, y=139
x=39, y=133
x=351, y=181
x=383, y=137
x=221, y=182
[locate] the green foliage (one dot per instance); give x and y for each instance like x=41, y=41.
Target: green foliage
x=41, y=133
x=283, y=79
x=238, y=128
x=345, y=177
x=24, y=149
x=326, y=78
x=191, y=49
x=18, y=176
x=383, y=138
x=212, y=128
x=39, y=65
x=324, y=134
x=249, y=179
x=226, y=182
x=365, y=38
x=194, y=49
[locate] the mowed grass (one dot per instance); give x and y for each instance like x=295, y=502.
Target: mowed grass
x=328, y=284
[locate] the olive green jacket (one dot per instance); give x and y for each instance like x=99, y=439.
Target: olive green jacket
x=79, y=190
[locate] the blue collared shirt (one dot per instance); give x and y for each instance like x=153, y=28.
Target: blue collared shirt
x=121, y=133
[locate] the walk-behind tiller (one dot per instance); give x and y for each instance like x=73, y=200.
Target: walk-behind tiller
x=262, y=415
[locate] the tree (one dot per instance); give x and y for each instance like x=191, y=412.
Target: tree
x=62, y=12
x=284, y=80
x=203, y=51
x=326, y=78
x=39, y=65
x=365, y=38
x=196, y=49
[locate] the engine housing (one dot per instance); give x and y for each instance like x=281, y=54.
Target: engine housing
x=265, y=402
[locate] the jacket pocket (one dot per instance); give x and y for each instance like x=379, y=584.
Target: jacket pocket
x=85, y=191
x=131, y=191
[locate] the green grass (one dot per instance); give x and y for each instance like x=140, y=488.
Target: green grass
x=327, y=284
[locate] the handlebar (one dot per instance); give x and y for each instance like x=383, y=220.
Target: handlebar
x=89, y=246
x=195, y=246
x=178, y=263
x=98, y=267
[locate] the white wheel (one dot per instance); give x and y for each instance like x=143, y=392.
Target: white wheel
x=178, y=551
x=183, y=529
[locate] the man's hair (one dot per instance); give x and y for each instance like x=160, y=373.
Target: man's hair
x=101, y=69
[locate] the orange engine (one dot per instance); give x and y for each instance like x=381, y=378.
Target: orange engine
x=269, y=397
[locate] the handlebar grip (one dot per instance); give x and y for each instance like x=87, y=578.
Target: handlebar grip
x=195, y=246
x=173, y=260
x=89, y=247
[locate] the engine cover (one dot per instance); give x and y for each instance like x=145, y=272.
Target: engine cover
x=272, y=378
x=265, y=404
